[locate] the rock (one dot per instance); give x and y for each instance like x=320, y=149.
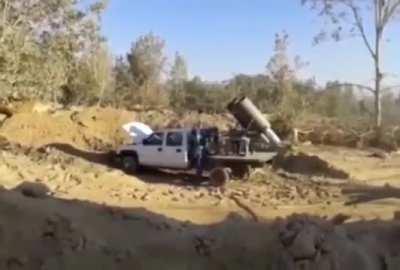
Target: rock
x=33, y=190
x=304, y=244
x=145, y=197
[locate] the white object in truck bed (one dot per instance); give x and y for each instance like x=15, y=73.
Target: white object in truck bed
x=137, y=130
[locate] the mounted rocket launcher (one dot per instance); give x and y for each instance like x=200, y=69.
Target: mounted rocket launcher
x=251, y=119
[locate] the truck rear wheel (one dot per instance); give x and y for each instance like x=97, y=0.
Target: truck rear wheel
x=219, y=176
x=130, y=164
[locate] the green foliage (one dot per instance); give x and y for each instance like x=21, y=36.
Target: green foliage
x=288, y=102
x=147, y=59
x=93, y=82
x=125, y=88
x=146, y=64
x=178, y=77
x=41, y=43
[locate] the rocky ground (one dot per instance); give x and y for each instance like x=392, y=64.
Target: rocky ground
x=64, y=206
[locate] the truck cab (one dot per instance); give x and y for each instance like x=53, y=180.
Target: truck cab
x=161, y=149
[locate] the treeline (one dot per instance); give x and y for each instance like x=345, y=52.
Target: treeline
x=53, y=50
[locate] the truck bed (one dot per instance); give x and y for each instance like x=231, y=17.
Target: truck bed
x=252, y=158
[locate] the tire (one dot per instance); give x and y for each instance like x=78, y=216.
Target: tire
x=130, y=164
x=219, y=177
x=114, y=159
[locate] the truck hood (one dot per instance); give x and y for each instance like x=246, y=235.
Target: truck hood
x=138, y=131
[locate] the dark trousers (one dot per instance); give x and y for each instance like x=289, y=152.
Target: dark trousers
x=199, y=165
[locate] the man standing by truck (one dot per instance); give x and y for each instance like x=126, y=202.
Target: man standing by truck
x=199, y=153
x=196, y=151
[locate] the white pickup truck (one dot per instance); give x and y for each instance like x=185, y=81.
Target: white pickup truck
x=165, y=149
x=254, y=145
x=175, y=149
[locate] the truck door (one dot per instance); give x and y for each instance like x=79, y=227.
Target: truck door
x=151, y=153
x=175, y=150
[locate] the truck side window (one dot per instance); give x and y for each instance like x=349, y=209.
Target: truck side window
x=174, y=139
x=154, y=139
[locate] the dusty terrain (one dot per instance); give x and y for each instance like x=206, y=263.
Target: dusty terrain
x=64, y=206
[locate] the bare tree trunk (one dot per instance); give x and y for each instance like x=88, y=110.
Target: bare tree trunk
x=378, y=73
x=378, y=94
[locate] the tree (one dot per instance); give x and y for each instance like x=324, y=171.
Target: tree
x=279, y=66
x=147, y=61
x=178, y=77
x=101, y=65
x=339, y=101
x=124, y=88
x=282, y=71
x=351, y=17
x=179, y=71
x=41, y=42
x=259, y=88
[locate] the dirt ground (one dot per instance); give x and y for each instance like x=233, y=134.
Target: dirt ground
x=64, y=206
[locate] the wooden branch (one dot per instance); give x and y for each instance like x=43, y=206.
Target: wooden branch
x=360, y=26
x=360, y=134
x=389, y=12
x=244, y=207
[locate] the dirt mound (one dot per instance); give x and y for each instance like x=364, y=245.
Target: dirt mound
x=312, y=165
x=37, y=129
x=314, y=243
x=103, y=125
x=36, y=124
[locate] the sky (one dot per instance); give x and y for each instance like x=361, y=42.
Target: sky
x=221, y=38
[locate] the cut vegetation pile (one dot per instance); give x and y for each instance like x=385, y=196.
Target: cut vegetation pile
x=321, y=130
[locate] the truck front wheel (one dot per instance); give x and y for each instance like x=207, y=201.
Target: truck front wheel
x=130, y=164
